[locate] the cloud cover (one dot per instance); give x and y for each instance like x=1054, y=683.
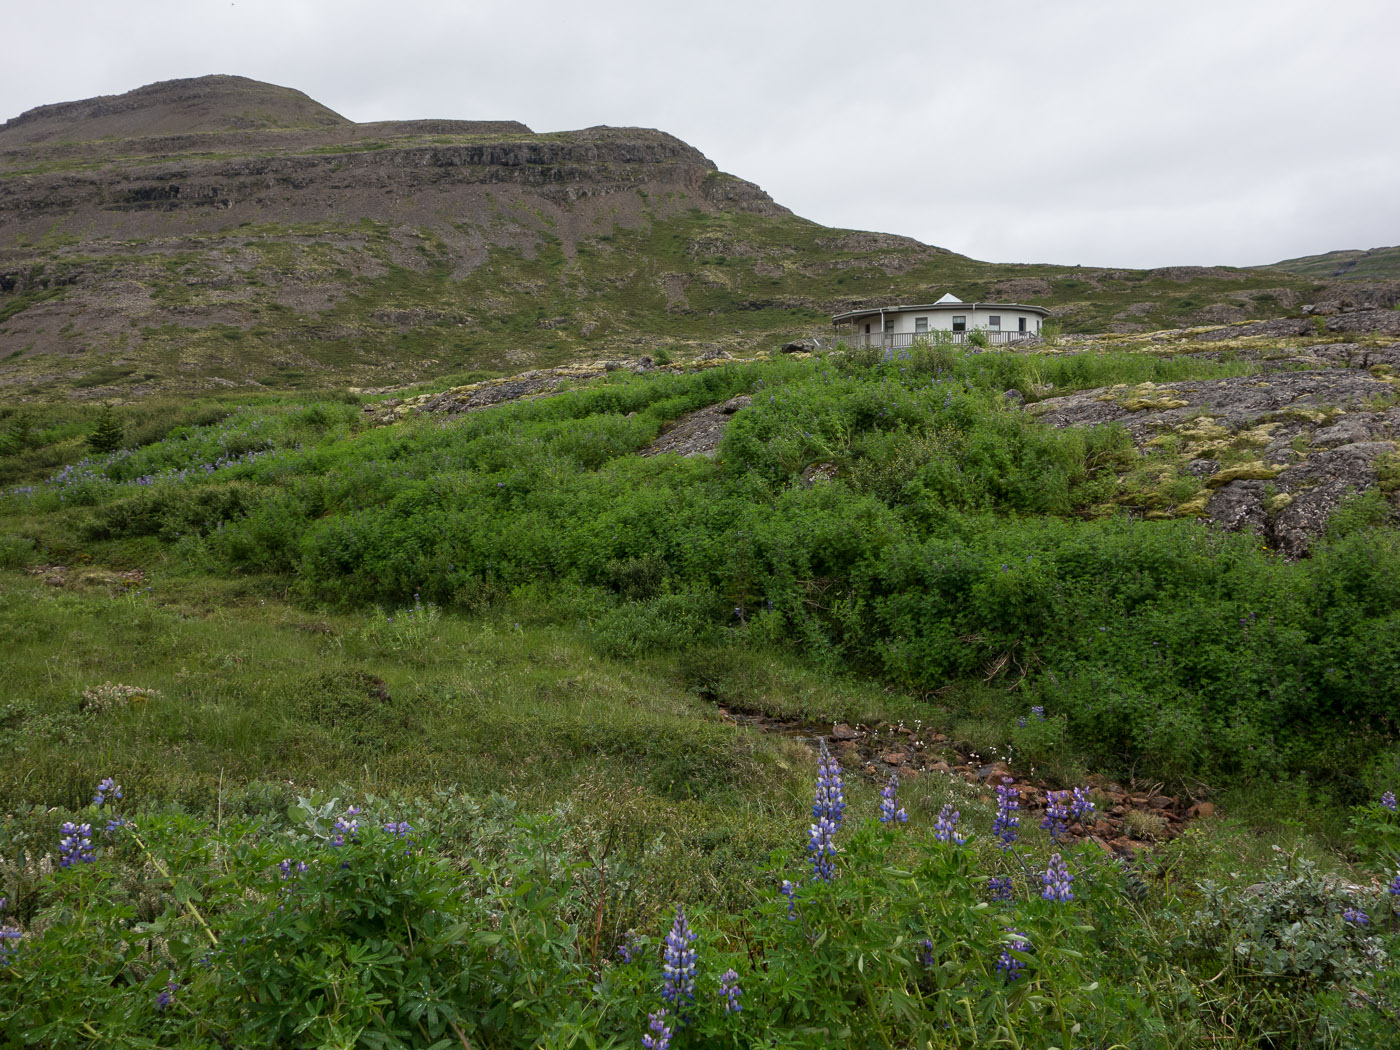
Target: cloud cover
x=1098, y=132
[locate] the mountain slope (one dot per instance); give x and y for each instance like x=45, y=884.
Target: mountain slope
x=1371, y=265
x=219, y=231
x=172, y=107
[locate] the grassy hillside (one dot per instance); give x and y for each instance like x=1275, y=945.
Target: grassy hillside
x=311, y=305
x=1375, y=264
x=538, y=666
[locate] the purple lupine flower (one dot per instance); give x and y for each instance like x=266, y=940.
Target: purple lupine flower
x=74, y=845
x=1356, y=916
x=946, y=827
x=9, y=937
x=106, y=787
x=347, y=828
x=399, y=829
x=830, y=802
x=1395, y=884
x=1039, y=712
x=627, y=947
x=115, y=824
x=1057, y=881
x=1004, y=827
x=661, y=1039
x=1388, y=801
x=1008, y=965
x=926, y=954
x=288, y=870
x=788, y=889
x=678, y=964
x=890, y=811
x=1080, y=805
x=730, y=991
x=1001, y=888
x=9, y=943
x=167, y=994
x=827, y=808
x=1056, y=814
x=822, y=847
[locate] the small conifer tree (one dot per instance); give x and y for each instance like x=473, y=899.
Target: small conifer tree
x=109, y=434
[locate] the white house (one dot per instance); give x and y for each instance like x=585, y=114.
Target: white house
x=901, y=325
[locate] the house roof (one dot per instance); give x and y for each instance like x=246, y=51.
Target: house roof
x=942, y=305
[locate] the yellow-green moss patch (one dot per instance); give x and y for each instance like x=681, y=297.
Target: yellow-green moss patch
x=1255, y=470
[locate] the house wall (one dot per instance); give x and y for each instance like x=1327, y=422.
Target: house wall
x=941, y=320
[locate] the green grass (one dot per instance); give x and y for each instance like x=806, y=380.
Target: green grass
x=12, y=306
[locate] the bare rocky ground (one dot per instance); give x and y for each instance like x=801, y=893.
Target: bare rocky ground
x=697, y=433
x=539, y=382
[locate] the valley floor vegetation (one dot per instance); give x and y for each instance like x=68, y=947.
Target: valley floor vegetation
x=320, y=733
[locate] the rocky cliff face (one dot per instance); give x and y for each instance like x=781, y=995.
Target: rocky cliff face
x=225, y=144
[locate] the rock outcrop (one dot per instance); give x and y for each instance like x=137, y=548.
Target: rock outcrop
x=1277, y=451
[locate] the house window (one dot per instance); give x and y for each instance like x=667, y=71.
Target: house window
x=959, y=323
x=889, y=324
x=1022, y=321
x=994, y=323
x=921, y=326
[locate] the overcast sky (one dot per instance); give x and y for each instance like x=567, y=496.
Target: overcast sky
x=1101, y=132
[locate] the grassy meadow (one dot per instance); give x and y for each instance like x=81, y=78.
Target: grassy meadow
x=426, y=733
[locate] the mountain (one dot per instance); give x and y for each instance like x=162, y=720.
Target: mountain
x=221, y=231
x=1374, y=264
x=173, y=107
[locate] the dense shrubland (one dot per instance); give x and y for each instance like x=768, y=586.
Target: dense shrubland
x=513, y=603
x=959, y=540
